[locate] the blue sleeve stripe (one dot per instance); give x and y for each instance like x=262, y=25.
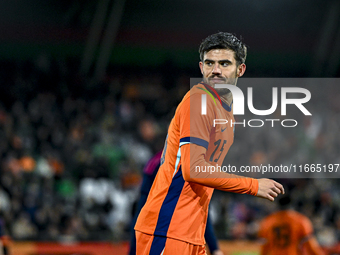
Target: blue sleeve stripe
x=194, y=140
x=185, y=139
x=199, y=141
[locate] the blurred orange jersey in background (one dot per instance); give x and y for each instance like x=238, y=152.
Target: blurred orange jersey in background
x=288, y=232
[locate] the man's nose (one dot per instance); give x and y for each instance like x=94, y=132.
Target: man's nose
x=216, y=69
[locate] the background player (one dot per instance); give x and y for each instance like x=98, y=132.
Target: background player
x=173, y=219
x=149, y=174
x=288, y=232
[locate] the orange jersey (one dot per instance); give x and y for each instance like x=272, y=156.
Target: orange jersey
x=285, y=231
x=177, y=205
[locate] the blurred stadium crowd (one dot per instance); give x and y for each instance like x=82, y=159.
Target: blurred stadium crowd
x=72, y=152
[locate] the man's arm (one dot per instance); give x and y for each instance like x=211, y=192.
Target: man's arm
x=312, y=247
x=194, y=155
x=194, y=125
x=265, y=249
x=262, y=235
x=308, y=242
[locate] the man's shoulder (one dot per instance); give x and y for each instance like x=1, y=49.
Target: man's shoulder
x=196, y=89
x=296, y=215
x=193, y=100
x=272, y=218
x=302, y=219
x=196, y=92
x=293, y=216
x=200, y=89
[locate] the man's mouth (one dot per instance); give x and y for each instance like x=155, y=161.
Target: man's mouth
x=216, y=80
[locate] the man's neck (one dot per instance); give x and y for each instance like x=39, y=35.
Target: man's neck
x=228, y=98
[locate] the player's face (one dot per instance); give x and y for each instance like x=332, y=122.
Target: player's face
x=219, y=66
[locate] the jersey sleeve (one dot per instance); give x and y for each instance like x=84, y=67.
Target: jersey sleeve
x=308, y=240
x=262, y=230
x=195, y=129
x=194, y=126
x=218, y=180
x=306, y=227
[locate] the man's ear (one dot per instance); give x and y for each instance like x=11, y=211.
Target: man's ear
x=201, y=66
x=241, y=70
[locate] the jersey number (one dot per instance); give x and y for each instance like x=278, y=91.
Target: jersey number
x=217, y=144
x=282, y=235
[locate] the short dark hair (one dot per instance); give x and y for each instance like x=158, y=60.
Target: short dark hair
x=224, y=40
x=284, y=202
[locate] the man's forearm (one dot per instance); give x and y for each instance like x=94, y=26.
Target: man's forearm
x=218, y=180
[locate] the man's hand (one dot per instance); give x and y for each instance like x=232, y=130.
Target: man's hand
x=269, y=189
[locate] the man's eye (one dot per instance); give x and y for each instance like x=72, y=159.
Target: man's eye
x=224, y=64
x=208, y=63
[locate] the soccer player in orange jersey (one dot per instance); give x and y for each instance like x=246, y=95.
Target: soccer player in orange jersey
x=173, y=219
x=288, y=232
